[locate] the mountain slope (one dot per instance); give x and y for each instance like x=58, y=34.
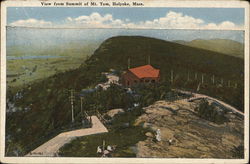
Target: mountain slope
x=224, y=46
x=114, y=53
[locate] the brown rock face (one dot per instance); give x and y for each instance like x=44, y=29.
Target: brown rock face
x=185, y=135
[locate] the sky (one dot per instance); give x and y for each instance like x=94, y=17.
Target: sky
x=53, y=26
x=133, y=18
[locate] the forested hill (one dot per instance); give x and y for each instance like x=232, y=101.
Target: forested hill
x=224, y=46
x=114, y=53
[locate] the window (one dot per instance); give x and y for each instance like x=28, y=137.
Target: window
x=147, y=81
x=141, y=81
x=127, y=83
x=135, y=81
x=152, y=81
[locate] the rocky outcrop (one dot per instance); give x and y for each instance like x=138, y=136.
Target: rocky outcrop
x=185, y=135
x=111, y=113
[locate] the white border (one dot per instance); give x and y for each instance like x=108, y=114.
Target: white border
x=149, y=3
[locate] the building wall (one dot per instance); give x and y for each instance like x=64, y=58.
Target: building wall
x=129, y=79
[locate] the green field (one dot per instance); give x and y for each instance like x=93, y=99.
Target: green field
x=23, y=71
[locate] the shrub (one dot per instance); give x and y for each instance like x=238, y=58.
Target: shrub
x=210, y=112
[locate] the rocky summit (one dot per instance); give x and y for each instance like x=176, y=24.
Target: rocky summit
x=184, y=134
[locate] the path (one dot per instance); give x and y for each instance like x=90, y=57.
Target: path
x=51, y=147
x=219, y=102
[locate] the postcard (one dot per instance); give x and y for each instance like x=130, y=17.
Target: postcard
x=139, y=81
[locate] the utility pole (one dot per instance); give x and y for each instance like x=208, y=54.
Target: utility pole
x=236, y=85
x=198, y=87
x=213, y=79
x=195, y=76
x=128, y=63
x=103, y=145
x=81, y=105
x=202, y=78
x=221, y=81
x=188, y=76
x=172, y=76
x=148, y=59
x=72, y=99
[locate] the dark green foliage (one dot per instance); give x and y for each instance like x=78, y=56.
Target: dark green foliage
x=102, y=100
x=151, y=93
x=102, y=79
x=231, y=95
x=167, y=56
x=114, y=53
x=210, y=113
x=238, y=151
x=122, y=136
x=49, y=105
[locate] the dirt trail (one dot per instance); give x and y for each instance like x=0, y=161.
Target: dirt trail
x=51, y=147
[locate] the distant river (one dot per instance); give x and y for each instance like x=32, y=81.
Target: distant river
x=31, y=57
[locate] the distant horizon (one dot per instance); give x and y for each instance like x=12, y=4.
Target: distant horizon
x=50, y=38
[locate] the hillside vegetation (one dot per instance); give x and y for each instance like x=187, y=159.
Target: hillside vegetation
x=114, y=53
x=224, y=46
x=43, y=106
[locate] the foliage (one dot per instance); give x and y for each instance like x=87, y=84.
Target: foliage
x=211, y=113
x=225, y=46
x=102, y=100
x=124, y=137
x=238, y=151
x=149, y=93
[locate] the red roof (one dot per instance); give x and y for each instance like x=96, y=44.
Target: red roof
x=145, y=71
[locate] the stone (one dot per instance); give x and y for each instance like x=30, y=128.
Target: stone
x=149, y=134
x=111, y=113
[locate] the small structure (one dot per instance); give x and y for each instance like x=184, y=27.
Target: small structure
x=142, y=74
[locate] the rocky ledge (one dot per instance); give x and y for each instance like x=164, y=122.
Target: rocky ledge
x=185, y=135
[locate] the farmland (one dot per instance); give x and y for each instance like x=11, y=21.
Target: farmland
x=23, y=71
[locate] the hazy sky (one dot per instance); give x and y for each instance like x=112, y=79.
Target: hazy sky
x=162, y=23
x=158, y=18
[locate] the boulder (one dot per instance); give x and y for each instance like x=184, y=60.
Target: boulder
x=111, y=113
x=149, y=134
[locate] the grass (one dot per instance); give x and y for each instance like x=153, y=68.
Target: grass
x=23, y=71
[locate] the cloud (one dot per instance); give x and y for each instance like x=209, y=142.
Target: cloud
x=95, y=20
x=31, y=23
x=172, y=20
